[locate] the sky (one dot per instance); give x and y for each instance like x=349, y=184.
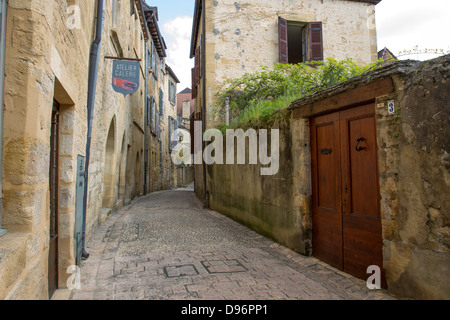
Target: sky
x=401, y=25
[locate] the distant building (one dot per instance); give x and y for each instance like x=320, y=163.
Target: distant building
x=185, y=107
x=386, y=54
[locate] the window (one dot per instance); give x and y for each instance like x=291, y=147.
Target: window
x=149, y=114
x=149, y=60
x=155, y=62
x=153, y=115
x=161, y=102
x=299, y=42
x=172, y=92
x=171, y=129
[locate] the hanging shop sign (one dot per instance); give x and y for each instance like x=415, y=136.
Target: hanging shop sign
x=125, y=76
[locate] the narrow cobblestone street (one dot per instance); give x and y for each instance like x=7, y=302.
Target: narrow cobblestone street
x=164, y=246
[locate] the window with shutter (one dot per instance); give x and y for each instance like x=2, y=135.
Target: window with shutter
x=194, y=85
x=299, y=42
x=148, y=111
x=191, y=129
x=161, y=102
x=152, y=120
x=315, y=41
x=283, y=40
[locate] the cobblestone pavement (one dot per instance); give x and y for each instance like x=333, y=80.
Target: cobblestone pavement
x=165, y=247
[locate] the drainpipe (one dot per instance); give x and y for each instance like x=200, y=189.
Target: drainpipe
x=203, y=44
x=145, y=119
x=92, y=86
x=2, y=86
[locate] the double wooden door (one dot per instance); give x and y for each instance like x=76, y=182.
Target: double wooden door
x=346, y=215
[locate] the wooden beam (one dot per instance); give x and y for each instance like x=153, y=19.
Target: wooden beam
x=345, y=99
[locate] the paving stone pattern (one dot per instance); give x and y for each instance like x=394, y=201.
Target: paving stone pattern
x=164, y=246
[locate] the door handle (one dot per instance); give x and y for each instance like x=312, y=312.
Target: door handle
x=359, y=140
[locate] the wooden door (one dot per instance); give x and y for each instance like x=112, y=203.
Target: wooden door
x=346, y=215
x=53, y=245
x=327, y=215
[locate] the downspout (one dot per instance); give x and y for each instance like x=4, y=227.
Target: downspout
x=203, y=44
x=92, y=86
x=2, y=86
x=145, y=119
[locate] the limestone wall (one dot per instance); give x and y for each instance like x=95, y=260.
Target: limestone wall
x=276, y=206
x=414, y=147
x=242, y=36
x=47, y=60
x=413, y=166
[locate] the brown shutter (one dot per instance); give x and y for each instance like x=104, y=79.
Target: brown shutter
x=315, y=41
x=200, y=58
x=191, y=129
x=194, y=85
x=197, y=65
x=283, y=40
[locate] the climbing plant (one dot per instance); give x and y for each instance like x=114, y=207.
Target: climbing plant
x=255, y=97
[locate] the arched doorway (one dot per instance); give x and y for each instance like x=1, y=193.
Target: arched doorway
x=108, y=173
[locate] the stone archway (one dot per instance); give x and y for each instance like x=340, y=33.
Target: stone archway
x=108, y=173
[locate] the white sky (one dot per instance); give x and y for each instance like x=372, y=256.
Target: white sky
x=401, y=25
x=404, y=24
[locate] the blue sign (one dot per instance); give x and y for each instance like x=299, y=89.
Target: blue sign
x=125, y=76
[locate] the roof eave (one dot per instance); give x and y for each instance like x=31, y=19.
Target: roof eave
x=195, y=26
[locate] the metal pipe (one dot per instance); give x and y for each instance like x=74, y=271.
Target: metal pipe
x=2, y=86
x=203, y=44
x=145, y=118
x=92, y=86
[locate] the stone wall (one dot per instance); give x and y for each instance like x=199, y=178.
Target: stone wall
x=414, y=147
x=242, y=36
x=47, y=60
x=413, y=166
x=276, y=206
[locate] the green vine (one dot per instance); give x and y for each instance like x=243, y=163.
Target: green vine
x=255, y=99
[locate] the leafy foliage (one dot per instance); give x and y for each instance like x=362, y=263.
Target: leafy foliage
x=255, y=97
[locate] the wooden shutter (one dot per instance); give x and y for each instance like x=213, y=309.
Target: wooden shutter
x=315, y=41
x=197, y=65
x=283, y=40
x=161, y=102
x=194, y=85
x=170, y=133
x=200, y=58
x=152, y=114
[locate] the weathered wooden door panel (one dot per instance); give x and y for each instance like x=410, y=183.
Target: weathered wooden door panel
x=327, y=217
x=346, y=219
x=361, y=219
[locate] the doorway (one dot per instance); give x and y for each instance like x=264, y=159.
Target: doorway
x=346, y=213
x=53, y=244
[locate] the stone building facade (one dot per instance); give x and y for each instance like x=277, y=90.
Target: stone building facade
x=48, y=46
x=161, y=119
x=185, y=107
x=406, y=109
x=231, y=38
